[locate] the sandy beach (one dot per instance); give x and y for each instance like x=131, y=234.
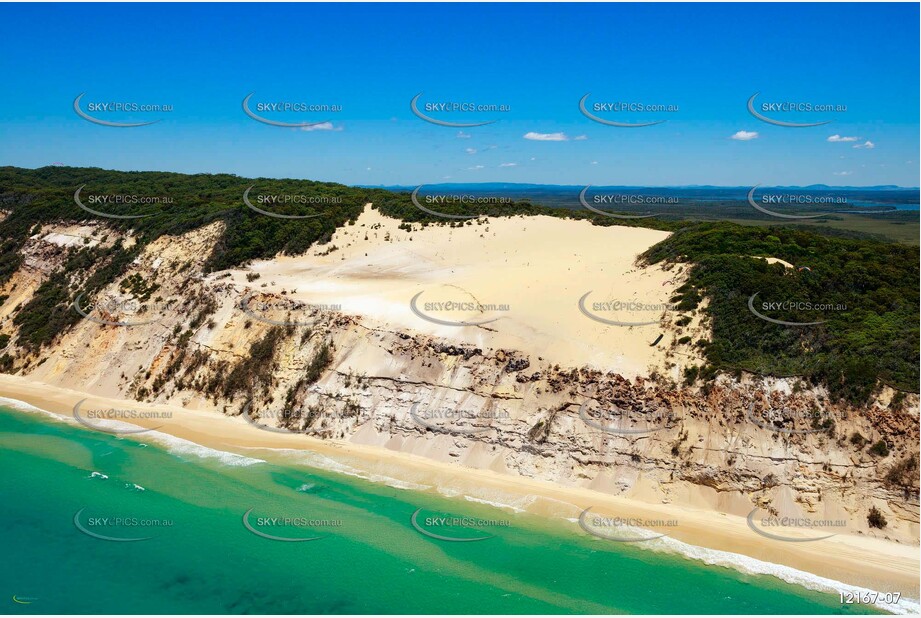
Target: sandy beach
x=853, y=559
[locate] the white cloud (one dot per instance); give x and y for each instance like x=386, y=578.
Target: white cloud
x=535, y=159
x=579, y=138
x=470, y=150
x=323, y=126
x=475, y=167
x=744, y=136
x=508, y=165
x=462, y=135
x=867, y=144
x=838, y=138
x=594, y=162
x=546, y=137
x=842, y=173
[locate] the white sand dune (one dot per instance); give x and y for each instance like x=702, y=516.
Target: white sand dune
x=539, y=267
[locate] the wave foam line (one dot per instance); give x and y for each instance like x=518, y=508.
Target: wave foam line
x=322, y=462
x=23, y=406
x=753, y=566
x=183, y=447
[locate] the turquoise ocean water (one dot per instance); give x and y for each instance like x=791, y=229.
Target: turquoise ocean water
x=64, y=486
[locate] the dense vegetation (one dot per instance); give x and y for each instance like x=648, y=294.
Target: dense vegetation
x=870, y=334
x=49, y=312
x=35, y=197
x=47, y=194
x=874, y=339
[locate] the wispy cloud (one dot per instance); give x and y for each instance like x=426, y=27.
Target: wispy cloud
x=470, y=150
x=840, y=138
x=323, y=126
x=842, y=173
x=867, y=144
x=508, y=165
x=462, y=135
x=475, y=167
x=744, y=136
x=579, y=138
x=546, y=137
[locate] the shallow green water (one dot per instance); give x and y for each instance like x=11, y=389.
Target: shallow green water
x=369, y=559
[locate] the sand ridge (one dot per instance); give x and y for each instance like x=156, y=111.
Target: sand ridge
x=516, y=283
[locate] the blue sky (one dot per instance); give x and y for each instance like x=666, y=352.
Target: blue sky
x=539, y=60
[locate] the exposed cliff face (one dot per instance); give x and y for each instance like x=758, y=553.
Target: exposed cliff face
x=204, y=342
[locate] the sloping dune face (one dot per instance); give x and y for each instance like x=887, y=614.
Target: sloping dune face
x=564, y=290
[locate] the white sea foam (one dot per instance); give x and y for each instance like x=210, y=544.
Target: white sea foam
x=177, y=446
x=397, y=483
x=714, y=557
x=23, y=406
x=788, y=574
x=753, y=566
x=101, y=423
x=327, y=463
x=98, y=475
x=520, y=506
x=497, y=499
x=134, y=486
x=316, y=460
x=185, y=448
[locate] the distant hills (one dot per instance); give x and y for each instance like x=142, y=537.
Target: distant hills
x=521, y=186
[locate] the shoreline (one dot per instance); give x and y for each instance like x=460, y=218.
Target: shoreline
x=844, y=562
